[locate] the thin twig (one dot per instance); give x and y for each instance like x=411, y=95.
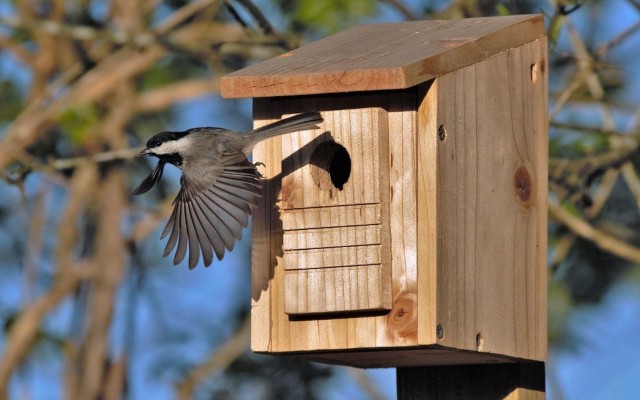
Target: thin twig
x=605, y=48
x=585, y=128
x=635, y=3
x=218, y=361
x=79, y=32
x=24, y=330
x=167, y=95
x=633, y=182
x=602, y=193
x=98, y=158
x=403, y=9
x=586, y=231
x=365, y=383
x=182, y=14
x=263, y=22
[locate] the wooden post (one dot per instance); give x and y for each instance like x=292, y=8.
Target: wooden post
x=410, y=230
x=523, y=381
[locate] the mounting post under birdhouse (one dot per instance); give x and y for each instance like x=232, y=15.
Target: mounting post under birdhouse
x=411, y=229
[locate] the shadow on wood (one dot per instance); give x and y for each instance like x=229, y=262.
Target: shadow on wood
x=480, y=382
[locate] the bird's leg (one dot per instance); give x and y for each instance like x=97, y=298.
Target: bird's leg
x=259, y=164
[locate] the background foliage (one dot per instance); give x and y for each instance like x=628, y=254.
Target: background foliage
x=91, y=310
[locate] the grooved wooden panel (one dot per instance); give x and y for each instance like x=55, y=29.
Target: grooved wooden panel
x=272, y=329
x=327, y=217
x=344, y=236
x=383, y=56
x=333, y=290
x=359, y=132
x=491, y=204
x=328, y=264
x=332, y=257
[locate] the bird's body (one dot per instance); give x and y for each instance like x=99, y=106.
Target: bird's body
x=219, y=186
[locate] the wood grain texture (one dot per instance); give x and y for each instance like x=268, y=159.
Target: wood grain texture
x=332, y=265
x=491, y=204
x=279, y=333
x=383, y=56
x=465, y=222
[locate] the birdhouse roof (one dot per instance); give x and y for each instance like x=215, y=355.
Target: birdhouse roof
x=383, y=56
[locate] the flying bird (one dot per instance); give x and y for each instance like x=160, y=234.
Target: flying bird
x=219, y=187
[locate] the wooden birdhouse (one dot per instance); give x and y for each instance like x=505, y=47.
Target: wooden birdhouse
x=411, y=228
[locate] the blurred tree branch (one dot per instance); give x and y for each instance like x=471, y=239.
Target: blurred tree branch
x=583, y=229
x=220, y=359
x=23, y=331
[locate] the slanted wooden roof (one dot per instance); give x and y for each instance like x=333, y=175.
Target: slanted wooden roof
x=382, y=56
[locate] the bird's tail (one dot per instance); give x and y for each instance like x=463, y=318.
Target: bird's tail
x=299, y=122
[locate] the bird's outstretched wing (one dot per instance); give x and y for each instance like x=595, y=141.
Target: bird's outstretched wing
x=210, y=218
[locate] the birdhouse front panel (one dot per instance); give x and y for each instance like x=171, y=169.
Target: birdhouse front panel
x=335, y=215
x=380, y=127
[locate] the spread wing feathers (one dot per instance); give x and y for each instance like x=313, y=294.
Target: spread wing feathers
x=150, y=180
x=210, y=219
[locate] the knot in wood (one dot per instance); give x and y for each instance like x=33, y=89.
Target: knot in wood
x=522, y=184
x=403, y=315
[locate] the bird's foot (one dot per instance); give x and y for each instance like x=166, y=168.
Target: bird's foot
x=259, y=164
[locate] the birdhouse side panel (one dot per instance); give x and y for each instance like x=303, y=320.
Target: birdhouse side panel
x=491, y=204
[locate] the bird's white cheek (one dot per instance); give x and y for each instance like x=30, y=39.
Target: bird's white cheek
x=175, y=146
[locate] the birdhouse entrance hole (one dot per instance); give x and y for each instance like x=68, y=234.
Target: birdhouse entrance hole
x=330, y=165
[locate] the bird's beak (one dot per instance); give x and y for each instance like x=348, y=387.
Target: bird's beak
x=145, y=152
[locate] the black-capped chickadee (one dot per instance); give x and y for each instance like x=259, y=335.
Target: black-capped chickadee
x=219, y=186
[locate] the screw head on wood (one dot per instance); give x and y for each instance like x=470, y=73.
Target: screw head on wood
x=440, y=332
x=479, y=341
x=442, y=133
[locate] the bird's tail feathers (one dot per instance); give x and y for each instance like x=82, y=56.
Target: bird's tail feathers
x=299, y=122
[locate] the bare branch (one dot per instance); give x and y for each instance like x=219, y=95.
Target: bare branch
x=109, y=260
x=585, y=128
x=635, y=3
x=167, y=95
x=182, y=14
x=602, y=193
x=98, y=158
x=633, y=182
x=602, y=240
x=605, y=48
x=79, y=32
x=263, y=22
x=80, y=190
x=365, y=383
x=561, y=250
x=218, y=361
x=24, y=330
x=403, y=9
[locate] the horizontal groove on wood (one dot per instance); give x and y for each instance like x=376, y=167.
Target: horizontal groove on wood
x=327, y=217
x=343, y=290
x=332, y=257
x=321, y=238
